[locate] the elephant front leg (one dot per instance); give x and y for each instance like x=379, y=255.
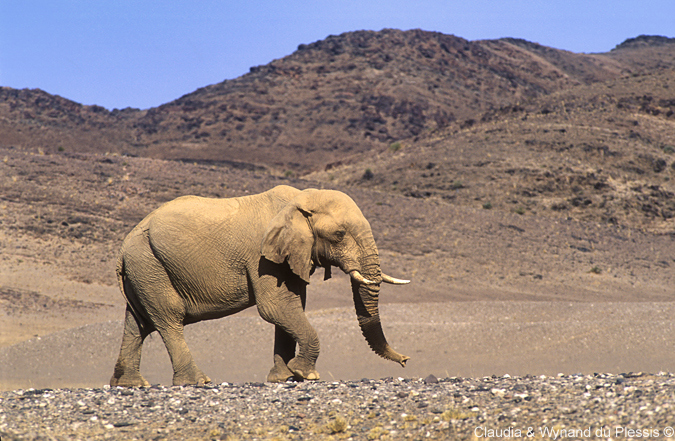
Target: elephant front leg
x=284, y=351
x=287, y=314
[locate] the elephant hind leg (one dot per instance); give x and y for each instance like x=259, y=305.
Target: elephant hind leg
x=185, y=370
x=127, y=369
x=163, y=307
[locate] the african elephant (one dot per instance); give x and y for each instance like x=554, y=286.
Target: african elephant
x=197, y=258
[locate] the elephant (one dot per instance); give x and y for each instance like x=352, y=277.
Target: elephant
x=197, y=258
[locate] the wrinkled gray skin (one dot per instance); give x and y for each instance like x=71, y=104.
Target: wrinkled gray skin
x=197, y=259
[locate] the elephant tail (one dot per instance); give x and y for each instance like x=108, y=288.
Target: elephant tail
x=120, y=274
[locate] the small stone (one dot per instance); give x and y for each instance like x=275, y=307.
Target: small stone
x=498, y=392
x=431, y=379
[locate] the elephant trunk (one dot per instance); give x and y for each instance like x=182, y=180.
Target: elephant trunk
x=366, y=303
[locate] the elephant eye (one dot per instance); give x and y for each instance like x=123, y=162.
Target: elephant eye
x=339, y=235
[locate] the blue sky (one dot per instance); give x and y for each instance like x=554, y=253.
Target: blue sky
x=143, y=53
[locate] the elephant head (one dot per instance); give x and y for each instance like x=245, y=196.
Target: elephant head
x=326, y=228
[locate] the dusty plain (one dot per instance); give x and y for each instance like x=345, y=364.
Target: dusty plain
x=492, y=292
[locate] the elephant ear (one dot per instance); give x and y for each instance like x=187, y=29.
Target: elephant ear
x=289, y=238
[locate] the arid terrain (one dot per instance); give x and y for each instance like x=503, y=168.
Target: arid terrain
x=526, y=191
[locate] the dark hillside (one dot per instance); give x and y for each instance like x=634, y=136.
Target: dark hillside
x=644, y=41
x=645, y=54
x=603, y=152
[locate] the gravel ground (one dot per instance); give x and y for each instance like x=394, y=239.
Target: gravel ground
x=603, y=406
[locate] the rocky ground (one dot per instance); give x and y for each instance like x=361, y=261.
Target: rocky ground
x=630, y=405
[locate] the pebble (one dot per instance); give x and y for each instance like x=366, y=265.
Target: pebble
x=391, y=408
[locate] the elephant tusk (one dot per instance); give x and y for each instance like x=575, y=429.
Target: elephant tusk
x=359, y=278
x=393, y=280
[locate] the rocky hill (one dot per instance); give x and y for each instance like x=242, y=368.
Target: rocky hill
x=328, y=103
x=357, y=92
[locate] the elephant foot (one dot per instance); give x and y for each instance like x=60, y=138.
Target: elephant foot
x=303, y=369
x=197, y=378
x=129, y=380
x=279, y=374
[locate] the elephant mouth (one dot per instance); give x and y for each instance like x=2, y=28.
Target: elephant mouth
x=359, y=278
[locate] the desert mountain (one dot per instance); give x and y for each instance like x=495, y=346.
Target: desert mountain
x=504, y=124
x=330, y=102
